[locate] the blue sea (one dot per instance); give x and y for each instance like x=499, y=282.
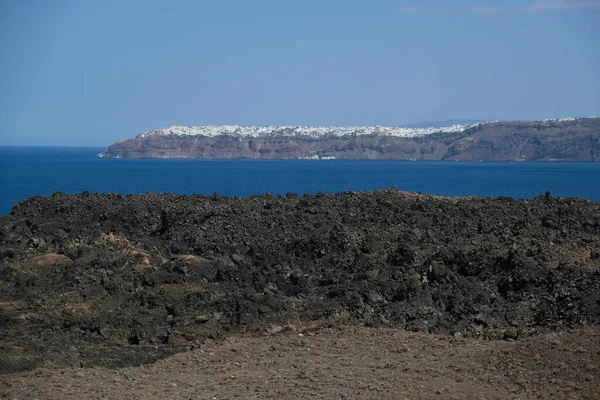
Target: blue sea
x=29, y=171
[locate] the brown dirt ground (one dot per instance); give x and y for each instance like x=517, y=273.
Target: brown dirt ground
x=382, y=295
x=345, y=362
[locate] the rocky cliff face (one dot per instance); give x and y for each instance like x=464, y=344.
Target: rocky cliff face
x=572, y=139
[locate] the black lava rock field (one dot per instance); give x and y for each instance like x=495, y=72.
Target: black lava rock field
x=115, y=280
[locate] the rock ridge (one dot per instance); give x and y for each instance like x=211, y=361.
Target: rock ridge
x=567, y=139
x=114, y=280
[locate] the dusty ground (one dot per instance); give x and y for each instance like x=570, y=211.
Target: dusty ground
x=349, y=362
x=397, y=295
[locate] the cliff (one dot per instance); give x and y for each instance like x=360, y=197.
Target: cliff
x=570, y=139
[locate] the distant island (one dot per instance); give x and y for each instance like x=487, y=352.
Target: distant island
x=567, y=139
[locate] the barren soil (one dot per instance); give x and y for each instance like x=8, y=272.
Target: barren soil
x=371, y=295
x=348, y=362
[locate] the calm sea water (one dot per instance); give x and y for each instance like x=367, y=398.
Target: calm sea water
x=28, y=171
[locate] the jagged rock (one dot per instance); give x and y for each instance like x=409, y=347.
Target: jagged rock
x=219, y=265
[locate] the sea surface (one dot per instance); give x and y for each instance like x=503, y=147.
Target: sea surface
x=29, y=171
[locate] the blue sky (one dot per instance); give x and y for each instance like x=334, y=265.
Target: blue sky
x=91, y=72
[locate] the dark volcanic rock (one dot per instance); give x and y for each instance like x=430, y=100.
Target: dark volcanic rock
x=566, y=140
x=118, y=280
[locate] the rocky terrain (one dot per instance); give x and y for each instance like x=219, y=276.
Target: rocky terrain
x=376, y=293
x=340, y=363
x=570, y=139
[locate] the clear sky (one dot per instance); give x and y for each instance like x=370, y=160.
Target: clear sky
x=75, y=72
